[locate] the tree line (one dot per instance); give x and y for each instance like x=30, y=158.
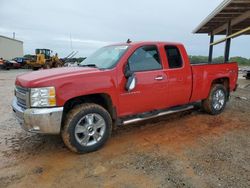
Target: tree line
x=204, y=59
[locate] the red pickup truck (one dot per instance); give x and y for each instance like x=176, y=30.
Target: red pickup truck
x=117, y=85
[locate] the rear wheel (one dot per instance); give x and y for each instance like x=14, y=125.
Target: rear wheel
x=87, y=128
x=216, y=101
x=57, y=65
x=248, y=76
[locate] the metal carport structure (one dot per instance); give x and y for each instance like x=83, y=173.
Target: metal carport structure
x=230, y=18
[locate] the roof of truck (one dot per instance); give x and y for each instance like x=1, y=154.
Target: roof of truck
x=148, y=43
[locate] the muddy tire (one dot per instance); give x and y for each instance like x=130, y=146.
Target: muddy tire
x=58, y=65
x=86, y=128
x=216, y=101
x=46, y=65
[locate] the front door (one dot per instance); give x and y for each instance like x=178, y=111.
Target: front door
x=151, y=85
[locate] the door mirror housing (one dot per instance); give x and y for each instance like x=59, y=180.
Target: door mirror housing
x=127, y=72
x=131, y=83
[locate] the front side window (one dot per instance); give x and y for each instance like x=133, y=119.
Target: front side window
x=174, y=57
x=144, y=59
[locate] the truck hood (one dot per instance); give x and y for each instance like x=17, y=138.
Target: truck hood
x=33, y=79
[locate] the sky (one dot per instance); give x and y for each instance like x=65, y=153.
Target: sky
x=84, y=26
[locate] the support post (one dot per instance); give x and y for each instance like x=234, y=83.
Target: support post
x=211, y=47
x=228, y=42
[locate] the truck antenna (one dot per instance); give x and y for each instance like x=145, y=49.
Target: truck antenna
x=129, y=41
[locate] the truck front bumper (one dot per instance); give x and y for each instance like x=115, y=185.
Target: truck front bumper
x=39, y=120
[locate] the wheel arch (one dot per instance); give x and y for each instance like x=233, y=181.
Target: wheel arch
x=101, y=99
x=225, y=81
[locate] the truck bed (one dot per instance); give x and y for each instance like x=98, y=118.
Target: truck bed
x=205, y=73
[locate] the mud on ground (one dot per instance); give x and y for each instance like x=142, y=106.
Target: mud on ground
x=190, y=149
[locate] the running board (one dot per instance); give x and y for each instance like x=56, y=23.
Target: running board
x=171, y=111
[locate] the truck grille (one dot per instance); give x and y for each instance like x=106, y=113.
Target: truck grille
x=22, y=95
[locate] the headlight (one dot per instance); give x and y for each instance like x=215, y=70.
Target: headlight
x=43, y=97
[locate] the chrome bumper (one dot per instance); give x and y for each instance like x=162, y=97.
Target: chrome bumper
x=39, y=120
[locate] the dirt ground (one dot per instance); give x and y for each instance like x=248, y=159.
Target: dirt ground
x=190, y=149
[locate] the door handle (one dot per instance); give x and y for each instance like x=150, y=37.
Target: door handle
x=159, y=78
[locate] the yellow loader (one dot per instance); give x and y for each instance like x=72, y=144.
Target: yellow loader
x=44, y=59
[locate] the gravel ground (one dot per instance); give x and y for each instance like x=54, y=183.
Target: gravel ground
x=190, y=149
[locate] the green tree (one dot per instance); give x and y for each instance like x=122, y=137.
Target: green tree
x=204, y=59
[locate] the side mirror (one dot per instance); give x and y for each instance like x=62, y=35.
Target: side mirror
x=131, y=83
x=127, y=72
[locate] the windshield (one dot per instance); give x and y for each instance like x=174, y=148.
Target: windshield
x=105, y=58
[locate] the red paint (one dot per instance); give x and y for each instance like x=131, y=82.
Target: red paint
x=179, y=86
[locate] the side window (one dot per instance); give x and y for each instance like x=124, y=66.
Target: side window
x=174, y=57
x=144, y=59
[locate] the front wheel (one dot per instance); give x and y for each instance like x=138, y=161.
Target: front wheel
x=87, y=128
x=35, y=68
x=46, y=65
x=216, y=101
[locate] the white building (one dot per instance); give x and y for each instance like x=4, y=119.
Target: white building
x=10, y=48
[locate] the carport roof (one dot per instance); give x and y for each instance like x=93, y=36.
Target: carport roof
x=236, y=11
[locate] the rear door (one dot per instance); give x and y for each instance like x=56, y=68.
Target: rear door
x=179, y=75
x=151, y=86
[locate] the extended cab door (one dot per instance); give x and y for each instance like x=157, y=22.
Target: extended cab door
x=151, y=87
x=179, y=75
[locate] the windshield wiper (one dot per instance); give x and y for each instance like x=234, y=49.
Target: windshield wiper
x=89, y=65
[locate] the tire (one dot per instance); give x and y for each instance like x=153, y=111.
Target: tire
x=46, y=66
x=35, y=68
x=6, y=68
x=216, y=101
x=80, y=130
x=58, y=65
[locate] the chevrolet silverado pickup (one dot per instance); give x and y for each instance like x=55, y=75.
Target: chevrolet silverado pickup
x=117, y=85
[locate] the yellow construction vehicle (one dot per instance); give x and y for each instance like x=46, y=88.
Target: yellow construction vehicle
x=44, y=59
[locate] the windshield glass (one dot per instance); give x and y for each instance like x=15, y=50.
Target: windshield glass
x=105, y=58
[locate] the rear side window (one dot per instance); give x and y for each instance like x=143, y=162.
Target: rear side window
x=144, y=59
x=174, y=57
